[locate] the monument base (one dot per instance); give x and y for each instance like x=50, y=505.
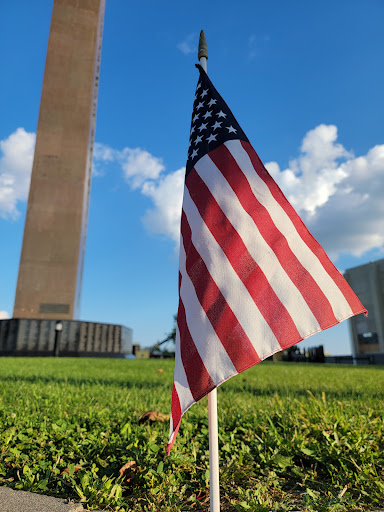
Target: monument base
x=65, y=338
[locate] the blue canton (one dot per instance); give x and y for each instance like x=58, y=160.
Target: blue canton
x=212, y=121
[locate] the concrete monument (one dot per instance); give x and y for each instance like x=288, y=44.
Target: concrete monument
x=51, y=264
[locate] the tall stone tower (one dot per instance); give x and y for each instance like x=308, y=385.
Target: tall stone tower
x=51, y=264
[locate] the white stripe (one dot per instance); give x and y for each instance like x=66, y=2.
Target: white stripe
x=170, y=428
x=284, y=224
x=229, y=283
x=180, y=379
x=172, y=434
x=208, y=344
x=258, y=248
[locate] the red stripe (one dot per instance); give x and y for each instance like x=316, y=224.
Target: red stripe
x=199, y=380
x=306, y=236
x=176, y=416
x=175, y=407
x=302, y=279
x=269, y=305
x=236, y=343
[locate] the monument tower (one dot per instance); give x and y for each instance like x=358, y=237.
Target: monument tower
x=50, y=272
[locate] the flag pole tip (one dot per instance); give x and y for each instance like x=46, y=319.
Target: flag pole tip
x=203, y=49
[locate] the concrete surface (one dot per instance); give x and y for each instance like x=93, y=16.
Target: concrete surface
x=21, y=501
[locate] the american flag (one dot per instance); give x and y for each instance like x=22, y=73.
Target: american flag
x=252, y=279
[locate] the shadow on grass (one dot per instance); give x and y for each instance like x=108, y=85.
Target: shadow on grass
x=282, y=392
x=72, y=381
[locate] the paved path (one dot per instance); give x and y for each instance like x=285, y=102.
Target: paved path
x=21, y=501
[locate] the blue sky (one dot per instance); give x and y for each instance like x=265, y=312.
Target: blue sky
x=303, y=79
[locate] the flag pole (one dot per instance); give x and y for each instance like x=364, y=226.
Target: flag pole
x=213, y=452
x=212, y=396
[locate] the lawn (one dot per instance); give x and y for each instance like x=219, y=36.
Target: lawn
x=292, y=437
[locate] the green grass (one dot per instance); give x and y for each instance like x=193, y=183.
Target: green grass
x=292, y=437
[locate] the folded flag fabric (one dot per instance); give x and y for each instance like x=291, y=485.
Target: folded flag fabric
x=252, y=279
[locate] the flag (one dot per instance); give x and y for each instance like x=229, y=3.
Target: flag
x=252, y=279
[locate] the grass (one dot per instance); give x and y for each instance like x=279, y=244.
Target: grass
x=292, y=437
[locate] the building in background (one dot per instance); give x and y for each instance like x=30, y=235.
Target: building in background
x=51, y=263
x=66, y=338
x=140, y=353
x=367, y=333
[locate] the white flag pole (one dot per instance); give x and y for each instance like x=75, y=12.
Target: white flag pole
x=212, y=396
x=213, y=452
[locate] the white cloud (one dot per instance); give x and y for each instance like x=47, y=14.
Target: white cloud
x=312, y=177
x=338, y=196
x=355, y=212
x=141, y=170
x=167, y=195
x=104, y=153
x=139, y=166
x=4, y=315
x=189, y=45
x=257, y=44
x=15, y=170
x=146, y=172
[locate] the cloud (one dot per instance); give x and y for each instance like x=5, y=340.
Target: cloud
x=167, y=195
x=189, y=45
x=139, y=166
x=140, y=169
x=311, y=179
x=4, y=315
x=339, y=196
x=354, y=214
x=257, y=44
x=104, y=153
x=145, y=172
x=15, y=171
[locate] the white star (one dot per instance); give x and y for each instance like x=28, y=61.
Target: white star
x=212, y=102
x=201, y=104
x=221, y=114
x=204, y=93
x=207, y=114
x=199, y=138
x=193, y=129
x=198, y=85
x=202, y=126
x=212, y=137
x=194, y=153
x=216, y=125
x=195, y=117
x=231, y=129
